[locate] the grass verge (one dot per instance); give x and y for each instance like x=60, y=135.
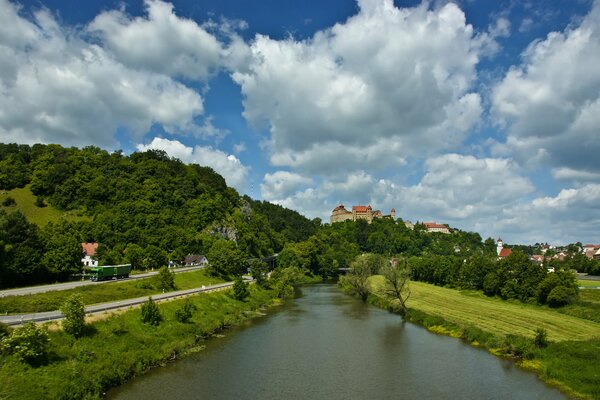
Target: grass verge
x=122, y=347
x=569, y=362
x=101, y=293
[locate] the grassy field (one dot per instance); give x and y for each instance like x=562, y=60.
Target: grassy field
x=40, y=216
x=93, y=294
x=588, y=283
x=496, y=316
x=116, y=349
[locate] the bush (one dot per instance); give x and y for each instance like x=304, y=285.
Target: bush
x=491, y=284
x=151, y=313
x=240, y=289
x=29, y=343
x=559, y=296
x=74, y=312
x=541, y=338
x=184, y=314
x=9, y=201
x=39, y=202
x=165, y=280
x=4, y=331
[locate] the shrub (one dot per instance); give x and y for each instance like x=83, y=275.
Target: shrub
x=29, y=343
x=4, y=331
x=39, y=202
x=151, y=313
x=9, y=201
x=240, y=289
x=559, y=296
x=491, y=284
x=184, y=314
x=541, y=338
x=74, y=312
x=165, y=279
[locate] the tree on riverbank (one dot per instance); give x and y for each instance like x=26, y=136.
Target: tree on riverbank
x=356, y=281
x=396, y=286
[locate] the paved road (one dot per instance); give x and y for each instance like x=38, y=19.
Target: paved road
x=113, y=305
x=587, y=277
x=74, y=284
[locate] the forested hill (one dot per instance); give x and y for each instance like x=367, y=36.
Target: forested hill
x=143, y=208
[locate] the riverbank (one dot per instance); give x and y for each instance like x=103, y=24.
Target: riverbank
x=569, y=362
x=121, y=347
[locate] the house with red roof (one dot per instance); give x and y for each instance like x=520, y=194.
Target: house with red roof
x=502, y=251
x=89, y=251
x=435, y=227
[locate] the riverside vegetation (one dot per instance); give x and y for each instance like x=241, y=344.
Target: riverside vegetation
x=562, y=347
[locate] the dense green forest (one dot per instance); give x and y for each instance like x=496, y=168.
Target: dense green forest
x=146, y=209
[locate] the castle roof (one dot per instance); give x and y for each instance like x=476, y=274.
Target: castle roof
x=361, y=208
x=340, y=208
x=434, y=225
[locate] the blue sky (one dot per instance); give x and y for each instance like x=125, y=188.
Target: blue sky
x=480, y=114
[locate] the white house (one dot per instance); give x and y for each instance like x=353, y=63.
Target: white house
x=89, y=251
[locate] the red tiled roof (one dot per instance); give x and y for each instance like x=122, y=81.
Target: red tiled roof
x=434, y=225
x=505, y=252
x=360, y=208
x=393, y=210
x=89, y=248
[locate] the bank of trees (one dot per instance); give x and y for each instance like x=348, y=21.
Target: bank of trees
x=144, y=209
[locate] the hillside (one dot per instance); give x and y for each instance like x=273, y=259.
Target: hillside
x=145, y=209
x=25, y=203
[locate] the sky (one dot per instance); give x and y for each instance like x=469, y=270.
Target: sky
x=484, y=115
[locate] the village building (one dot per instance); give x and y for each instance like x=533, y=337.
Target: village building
x=502, y=251
x=409, y=225
x=435, y=227
x=89, y=251
x=195, y=260
x=340, y=214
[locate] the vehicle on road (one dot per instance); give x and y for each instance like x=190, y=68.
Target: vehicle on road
x=109, y=272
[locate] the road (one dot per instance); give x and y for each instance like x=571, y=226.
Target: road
x=74, y=284
x=19, y=319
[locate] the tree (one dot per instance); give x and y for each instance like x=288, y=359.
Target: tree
x=285, y=281
x=74, y=316
x=541, y=338
x=225, y=259
x=560, y=296
x=184, y=314
x=397, y=279
x=356, y=281
x=28, y=342
x=134, y=255
x=240, y=288
x=150, y=313
x=155, y=257
x=259, y=271
x=165, y=280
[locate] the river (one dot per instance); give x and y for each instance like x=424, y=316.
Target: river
x=326, y=345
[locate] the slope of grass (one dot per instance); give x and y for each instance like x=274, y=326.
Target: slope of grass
x=494, y=315
x=121, y=347
x=38, y=215
x=100, y=293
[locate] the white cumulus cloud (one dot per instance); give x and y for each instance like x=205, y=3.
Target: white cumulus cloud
x=550, y=104
x=57, y=87
x=387, y=78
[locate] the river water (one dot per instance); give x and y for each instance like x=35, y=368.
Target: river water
x=326, y=345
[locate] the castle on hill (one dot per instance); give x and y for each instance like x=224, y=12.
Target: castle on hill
x=367, y=213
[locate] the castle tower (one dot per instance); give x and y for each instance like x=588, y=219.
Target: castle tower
x=393, y=214
x=499, y=246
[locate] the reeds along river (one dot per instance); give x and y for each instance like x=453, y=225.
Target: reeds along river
x=326, y=345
